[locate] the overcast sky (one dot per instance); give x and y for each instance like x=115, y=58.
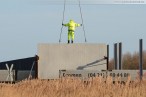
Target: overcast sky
x=25, y=23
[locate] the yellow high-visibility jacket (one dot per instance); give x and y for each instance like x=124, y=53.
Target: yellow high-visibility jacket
x=71, y=25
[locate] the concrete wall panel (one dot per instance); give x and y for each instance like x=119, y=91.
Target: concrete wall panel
x=4, y=74
x=22, y=75
x=55, y=57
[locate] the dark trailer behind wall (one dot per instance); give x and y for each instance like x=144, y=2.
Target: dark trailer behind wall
x=20, y=70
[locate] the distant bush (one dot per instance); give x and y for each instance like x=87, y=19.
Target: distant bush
x=130, y=61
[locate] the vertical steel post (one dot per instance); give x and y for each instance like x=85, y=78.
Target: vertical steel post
x=36, y=63
x=141, y=58
x=120, y=56
x=115, y=55
x=107, y=57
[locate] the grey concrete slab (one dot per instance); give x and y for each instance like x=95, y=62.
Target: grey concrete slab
x=22, y=75
x=85, y=74
x=55, y=57
x=4, y=74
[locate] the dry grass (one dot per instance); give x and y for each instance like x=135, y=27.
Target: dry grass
x=73, y=88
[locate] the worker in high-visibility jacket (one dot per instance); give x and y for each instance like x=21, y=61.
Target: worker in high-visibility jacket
x=71, y=29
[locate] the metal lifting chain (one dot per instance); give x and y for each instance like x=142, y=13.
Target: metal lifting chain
x=62, y=20
x=81, y=18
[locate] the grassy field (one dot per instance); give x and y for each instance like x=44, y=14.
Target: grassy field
x=73, y=88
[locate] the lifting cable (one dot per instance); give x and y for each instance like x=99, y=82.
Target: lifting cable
x=62, y=20
x=81, y=19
